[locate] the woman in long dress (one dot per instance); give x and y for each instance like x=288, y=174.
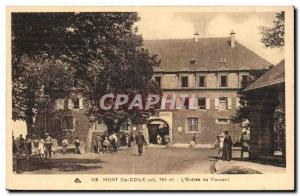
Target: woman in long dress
x=227, y=147
x=42, y=148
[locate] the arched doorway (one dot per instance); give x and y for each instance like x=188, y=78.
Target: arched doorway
x=158, y=127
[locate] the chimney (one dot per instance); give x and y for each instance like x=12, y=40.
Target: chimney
x=232, y=39
x=196, y=36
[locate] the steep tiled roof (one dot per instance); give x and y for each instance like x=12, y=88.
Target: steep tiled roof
x=273, y=76
x=209, y=53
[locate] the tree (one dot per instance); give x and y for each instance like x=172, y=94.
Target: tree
x=99, y=53
x=273, y=37
x=32, y=90
x=242, y=113
x=37, y=45
x=108, y=46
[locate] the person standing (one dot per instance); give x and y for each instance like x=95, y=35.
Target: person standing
x=41, y=147
x=15, y=149
x=77, y=145
x=99, y=143
x=21, y=144
x=28, y=146
x=220, y=144
x=227, y=147
x=105, y=144
x=158, y=139
x=130, y=139
x=244, y=143
x=113, y=141
x=140, y=141
x=65, y=144
x=48, y=145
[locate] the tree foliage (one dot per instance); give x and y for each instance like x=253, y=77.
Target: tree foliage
x=99, y=53
x=242, y=113
x=108, y=46
x=273, y=37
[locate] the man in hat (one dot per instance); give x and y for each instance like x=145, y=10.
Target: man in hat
x=227, y=147
x=140, y=141
x=48, y=145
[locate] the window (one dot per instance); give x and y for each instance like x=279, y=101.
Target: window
x=193, y=62
x=223, y=81
x=124, y=126
x=223, y=60
x=192, y=124
x=76, y=103
x=68, y=122
x=223, y=121
x=244, y=81
x=202, y=103
x=184, y=81
x=223, y=103
x=99, y=126
x=158, y=80
x=202, y=81
x=185, y=101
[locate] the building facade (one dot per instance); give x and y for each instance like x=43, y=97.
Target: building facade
x=207, y=72
x=211, y=70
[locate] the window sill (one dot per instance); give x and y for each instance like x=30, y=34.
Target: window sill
x=192, y=132
x=66, y=130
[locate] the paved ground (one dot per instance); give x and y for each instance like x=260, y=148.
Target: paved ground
x=154, y=161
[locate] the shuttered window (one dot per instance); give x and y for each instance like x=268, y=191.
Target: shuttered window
x=202, y=103
x=76, y=103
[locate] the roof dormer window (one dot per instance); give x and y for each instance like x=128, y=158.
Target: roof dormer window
x=223, y=60
x=193, y=61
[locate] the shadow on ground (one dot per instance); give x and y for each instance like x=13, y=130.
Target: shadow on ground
x=64, y=165
x=270, y=162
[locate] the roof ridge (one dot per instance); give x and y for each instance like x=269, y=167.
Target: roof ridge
x=183, y=39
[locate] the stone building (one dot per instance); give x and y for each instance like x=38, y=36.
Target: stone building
x=267, y=115
x=211, y=69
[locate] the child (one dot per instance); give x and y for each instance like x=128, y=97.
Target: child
x=158, y=139
x=41, y=147
x=105, y=144
x=65, y=145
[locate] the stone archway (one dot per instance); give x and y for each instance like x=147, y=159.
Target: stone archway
x=158, y=126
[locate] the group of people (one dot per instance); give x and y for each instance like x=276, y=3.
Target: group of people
x=33, y=145
x=104, y=143
x=224, y=143
x=112, y=142
x=65, y=144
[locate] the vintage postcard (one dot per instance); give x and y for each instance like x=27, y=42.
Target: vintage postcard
x=150, y=98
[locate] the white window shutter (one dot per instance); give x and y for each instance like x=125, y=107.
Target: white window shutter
x=216, y=103
x=238, y=105
x=186, y=125
x=80, y=103
x=199, y=125
x=178, y=103
x=70, y=104
x=229, y=106
x=59, y=104
x=207, y=103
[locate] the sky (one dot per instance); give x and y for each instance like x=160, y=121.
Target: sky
x=176, y=25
